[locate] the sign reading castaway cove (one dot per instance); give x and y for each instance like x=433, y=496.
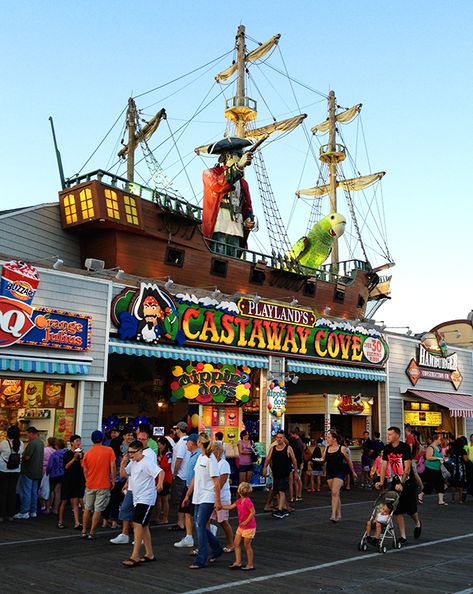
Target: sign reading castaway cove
x=150, y=314
x=22, y=323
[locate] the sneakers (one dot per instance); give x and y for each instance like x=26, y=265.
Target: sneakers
x=184, y=543
x=213, y=529
x=33, y=515
x=22, y=516
x=120, y=539
x=280, y=514
x=401, y=540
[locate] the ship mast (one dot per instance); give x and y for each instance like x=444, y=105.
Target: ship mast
x=331, y=154
x=131, y=125
x=240, y=109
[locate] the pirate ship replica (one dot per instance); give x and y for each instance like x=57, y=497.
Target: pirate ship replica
x=155, y=233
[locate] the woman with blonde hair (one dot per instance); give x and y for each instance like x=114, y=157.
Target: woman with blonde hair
x=205, y=491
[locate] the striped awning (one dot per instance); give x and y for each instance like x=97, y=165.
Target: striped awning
x=183, y=353
x=460, y=405
x=363, y=373
x=32, y=365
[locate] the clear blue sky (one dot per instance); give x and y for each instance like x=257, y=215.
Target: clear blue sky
x=409, y=63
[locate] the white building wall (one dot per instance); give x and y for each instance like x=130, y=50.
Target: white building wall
x=401, y=350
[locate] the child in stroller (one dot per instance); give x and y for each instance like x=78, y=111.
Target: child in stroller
x=382, y=519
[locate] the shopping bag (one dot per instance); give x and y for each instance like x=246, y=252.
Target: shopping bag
x=43, y=492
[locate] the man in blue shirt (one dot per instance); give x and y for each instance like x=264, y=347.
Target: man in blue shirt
x=188, y=511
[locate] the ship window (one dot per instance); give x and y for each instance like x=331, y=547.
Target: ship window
x=131, y=210
x=218, y=267
x=174, y=257
x=86, y=203
x=339, y=294
x=111, y=202
x=257, y=277
x=70, y=209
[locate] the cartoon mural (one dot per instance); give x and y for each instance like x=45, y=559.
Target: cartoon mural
x=152, y=317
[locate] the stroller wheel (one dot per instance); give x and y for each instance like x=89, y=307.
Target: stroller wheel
x=398, y=545
x=382, y=549
x=364, y=547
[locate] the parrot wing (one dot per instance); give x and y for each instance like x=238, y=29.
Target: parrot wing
x=299, y=248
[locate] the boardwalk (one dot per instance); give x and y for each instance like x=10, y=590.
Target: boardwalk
x=303, y=553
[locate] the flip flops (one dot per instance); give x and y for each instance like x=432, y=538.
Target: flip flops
x=131, y=563
x=248, y=568
x=146, y=559
x=234, y=566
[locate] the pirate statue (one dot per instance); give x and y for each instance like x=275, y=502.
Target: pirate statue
x=227, y=216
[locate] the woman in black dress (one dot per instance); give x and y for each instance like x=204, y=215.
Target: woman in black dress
x=335, y=456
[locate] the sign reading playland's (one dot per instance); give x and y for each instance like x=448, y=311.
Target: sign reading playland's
x=22, y=323
x=151, y=315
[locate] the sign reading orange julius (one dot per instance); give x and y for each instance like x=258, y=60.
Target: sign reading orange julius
x=22, y=323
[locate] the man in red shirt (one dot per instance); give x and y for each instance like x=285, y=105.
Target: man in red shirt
x=99, y=471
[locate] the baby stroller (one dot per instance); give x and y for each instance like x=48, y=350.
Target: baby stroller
x=387, y=532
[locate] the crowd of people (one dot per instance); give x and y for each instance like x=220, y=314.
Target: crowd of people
x=128, y=480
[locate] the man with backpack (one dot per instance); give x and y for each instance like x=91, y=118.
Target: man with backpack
x=31, y=474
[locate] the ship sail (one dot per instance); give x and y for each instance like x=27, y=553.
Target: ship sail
x=281, y=126
x=256, y=54
x=146, y=131
x=351, y=185
x=343, y=117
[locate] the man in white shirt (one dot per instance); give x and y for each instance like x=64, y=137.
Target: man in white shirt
x=146, y=479
x=180, y=460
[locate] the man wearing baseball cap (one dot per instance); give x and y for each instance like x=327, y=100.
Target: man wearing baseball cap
x=180, y=458
x=99, y=471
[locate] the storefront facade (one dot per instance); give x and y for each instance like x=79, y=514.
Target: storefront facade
x=222, y=362
x=53, y=355
x=430, y=385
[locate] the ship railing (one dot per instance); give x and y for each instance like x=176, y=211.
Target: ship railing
x=165, y=198
x=344, y=272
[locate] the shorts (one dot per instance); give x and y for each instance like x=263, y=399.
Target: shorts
x=53, y=481
x=96, y=500
x=221, y=515
x=71, y=490
x=142, y=514
x=126, y=508
x=280, y=483
x=340, y=475
x=407, y=503
x=177, y=488
x=366, y=468
x=245, y=468
x=246, y=532
x=317, y=472
x=189, y=508
x=166, y=489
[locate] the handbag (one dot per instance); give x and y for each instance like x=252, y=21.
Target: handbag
x=254, y=455
x=445, y=472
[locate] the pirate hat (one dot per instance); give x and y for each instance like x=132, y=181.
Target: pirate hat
x=232, y=145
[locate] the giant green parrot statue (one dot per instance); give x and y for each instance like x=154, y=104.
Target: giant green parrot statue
x=313, y=249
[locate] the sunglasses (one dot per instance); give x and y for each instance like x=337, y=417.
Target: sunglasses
x=132, y=451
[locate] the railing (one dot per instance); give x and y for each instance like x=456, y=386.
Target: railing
x=240, y=102
x=345, y=273
x=166, y=199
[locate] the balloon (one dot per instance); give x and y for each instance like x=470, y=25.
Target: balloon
x=195, y=420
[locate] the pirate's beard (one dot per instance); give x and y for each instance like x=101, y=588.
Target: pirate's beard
x=151, y=321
